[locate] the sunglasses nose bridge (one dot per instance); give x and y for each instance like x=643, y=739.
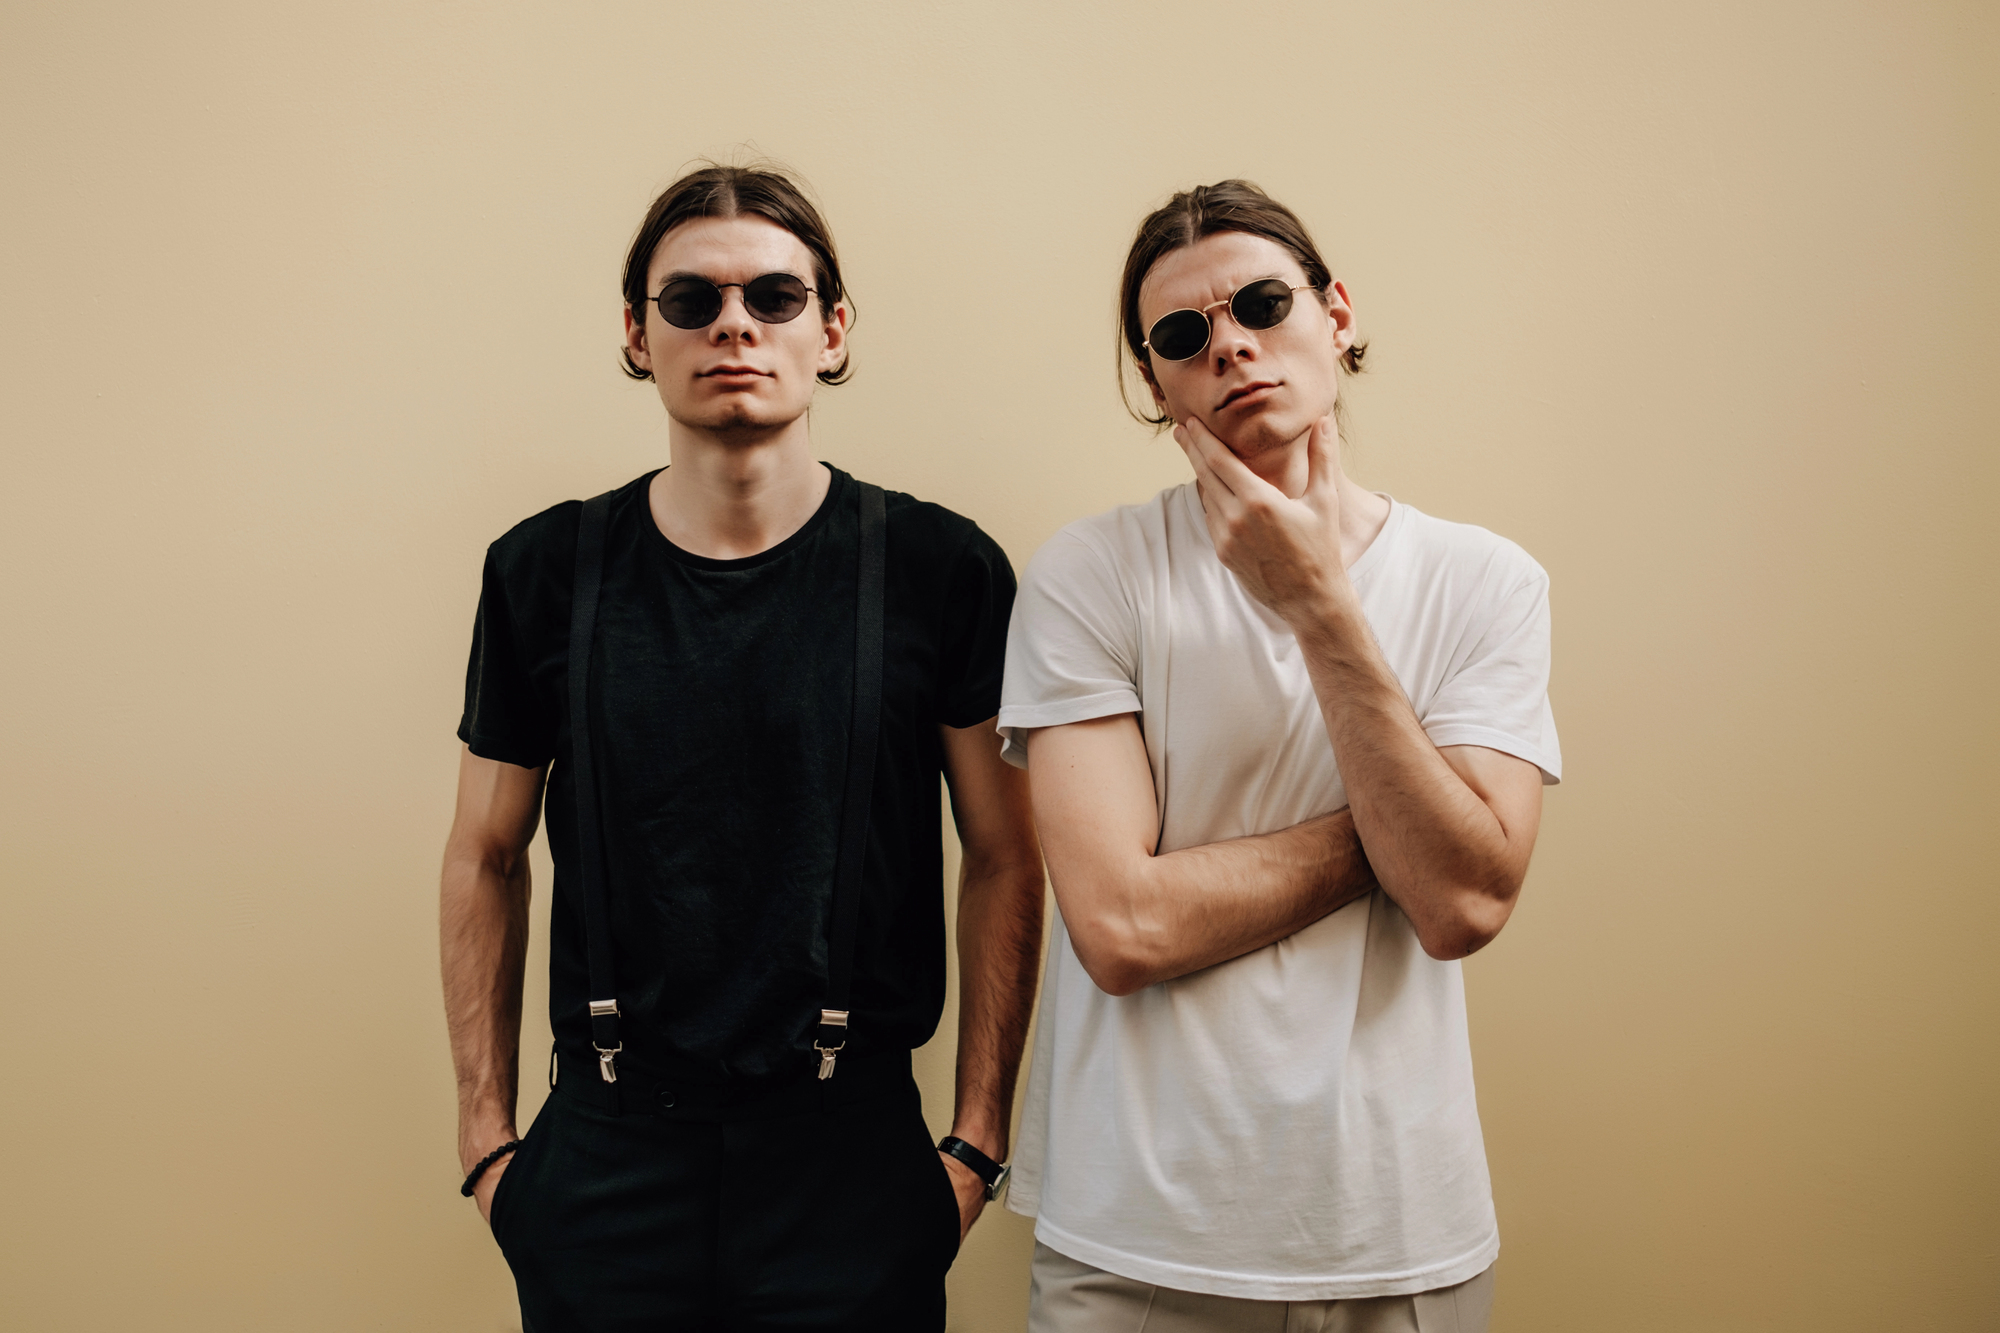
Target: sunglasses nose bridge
x=1225, y=330
x=734, y=316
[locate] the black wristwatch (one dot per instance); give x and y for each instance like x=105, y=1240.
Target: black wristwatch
x=993, y=1173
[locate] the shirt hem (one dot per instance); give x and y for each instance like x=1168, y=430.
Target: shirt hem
x=1271, y=1287
x=487, y=746
x=1015, y=718
x=1460, y=733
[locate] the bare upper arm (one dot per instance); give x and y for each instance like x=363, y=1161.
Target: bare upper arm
x=1094, y=803
x=989, y=798
x=499, y=807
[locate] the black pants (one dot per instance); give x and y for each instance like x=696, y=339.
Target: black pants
x=826, y=1208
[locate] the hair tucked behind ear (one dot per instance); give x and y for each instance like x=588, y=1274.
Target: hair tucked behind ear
x=1231, y=205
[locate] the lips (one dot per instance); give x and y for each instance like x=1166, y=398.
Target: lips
x=730, y=372
x=1245, y=390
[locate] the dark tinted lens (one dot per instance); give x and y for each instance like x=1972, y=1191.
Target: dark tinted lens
x=1179, y=335
x=1262, y=305
x=775, y=297
x=690, y=303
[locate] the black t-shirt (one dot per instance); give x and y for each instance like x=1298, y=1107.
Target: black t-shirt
x=721, y=699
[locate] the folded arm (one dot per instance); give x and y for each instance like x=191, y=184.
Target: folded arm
x=1136, y=917
x=1449, y=831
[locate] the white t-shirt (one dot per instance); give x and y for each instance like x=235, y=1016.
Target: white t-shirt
x=1297, y=1123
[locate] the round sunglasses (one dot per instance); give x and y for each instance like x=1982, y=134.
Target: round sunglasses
x=693, y=303
x=1181, y=334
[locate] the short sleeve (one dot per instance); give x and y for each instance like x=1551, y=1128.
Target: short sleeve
x=1497, y=694
x=505, y=719
x=1073, y=647
x=978, y=600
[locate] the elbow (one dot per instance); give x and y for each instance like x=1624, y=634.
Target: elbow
x=1120, y=980
x=1449, y=944
x=1472, y=919
x=1111, y=958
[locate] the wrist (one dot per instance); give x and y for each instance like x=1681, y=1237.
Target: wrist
x=984, y=1135
x=990, y=1171
x=479, y=1169
x=1330, y=624
x=475, y=1142
x=1329, y=602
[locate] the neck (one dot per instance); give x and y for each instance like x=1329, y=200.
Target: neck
x=728, y=497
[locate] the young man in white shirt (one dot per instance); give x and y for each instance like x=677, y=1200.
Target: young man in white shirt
x=1286, y=740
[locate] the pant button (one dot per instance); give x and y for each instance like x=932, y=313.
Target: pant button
x=666, y=1100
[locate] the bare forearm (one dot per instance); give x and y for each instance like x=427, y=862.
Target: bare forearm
x=1136, y=918
x=483, y=942
x=999, y=958
x=1194, y=908
x=1438, y=849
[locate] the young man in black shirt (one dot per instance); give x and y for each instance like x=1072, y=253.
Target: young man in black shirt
x=746, y=939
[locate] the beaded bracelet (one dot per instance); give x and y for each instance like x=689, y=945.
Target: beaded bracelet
x=484, y=1162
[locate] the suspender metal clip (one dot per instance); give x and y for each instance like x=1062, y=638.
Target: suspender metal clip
x=830, y=1018
x=606, y=1070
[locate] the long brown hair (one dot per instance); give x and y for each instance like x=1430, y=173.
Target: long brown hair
x=716, y=191
x=1231, y=205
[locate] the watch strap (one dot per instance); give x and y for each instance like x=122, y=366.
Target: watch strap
x=988, y=1170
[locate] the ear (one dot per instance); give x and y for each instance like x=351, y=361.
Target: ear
x=1153, y=386
x=835, y=349
x=1341, y=311
x=635, y=342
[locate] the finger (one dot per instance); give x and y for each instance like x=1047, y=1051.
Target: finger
x=1217, y=500
x=1323, y=458
x=1228, y=468
x=1194, y=446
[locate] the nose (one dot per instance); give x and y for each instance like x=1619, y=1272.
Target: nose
x=735, y=322
x=1228, y=341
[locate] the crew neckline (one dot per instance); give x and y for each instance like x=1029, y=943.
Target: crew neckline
x=1363, y=563
x=836, y=491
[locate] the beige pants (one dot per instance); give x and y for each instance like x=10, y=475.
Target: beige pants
x=1072, y=1297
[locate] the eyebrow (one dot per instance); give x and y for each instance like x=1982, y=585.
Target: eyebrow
x=1232, y=291
x=690, y=273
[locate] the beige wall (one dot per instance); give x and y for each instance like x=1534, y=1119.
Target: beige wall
x=304, y=305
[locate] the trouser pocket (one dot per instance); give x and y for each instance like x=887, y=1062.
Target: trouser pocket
x=515, y=1176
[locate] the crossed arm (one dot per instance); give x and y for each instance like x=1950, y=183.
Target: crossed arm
x=1136, y=918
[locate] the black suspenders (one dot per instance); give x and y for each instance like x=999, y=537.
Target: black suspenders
x=865, y=729
x=589, y=834
x=854, y=803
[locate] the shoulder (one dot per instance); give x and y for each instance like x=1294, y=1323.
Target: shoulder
x=929, y=539
x=544, y=544
x=1125, y=538
x=537, y=556
x=1462, y=552
x=930, y=529
x=533, y=539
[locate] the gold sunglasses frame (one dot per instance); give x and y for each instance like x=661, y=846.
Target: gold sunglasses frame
x=1227, y=303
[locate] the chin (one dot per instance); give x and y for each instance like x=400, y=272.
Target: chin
x=732, y=414
x=1257, y=437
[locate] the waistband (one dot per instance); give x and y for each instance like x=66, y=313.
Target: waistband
x=857, y=1078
